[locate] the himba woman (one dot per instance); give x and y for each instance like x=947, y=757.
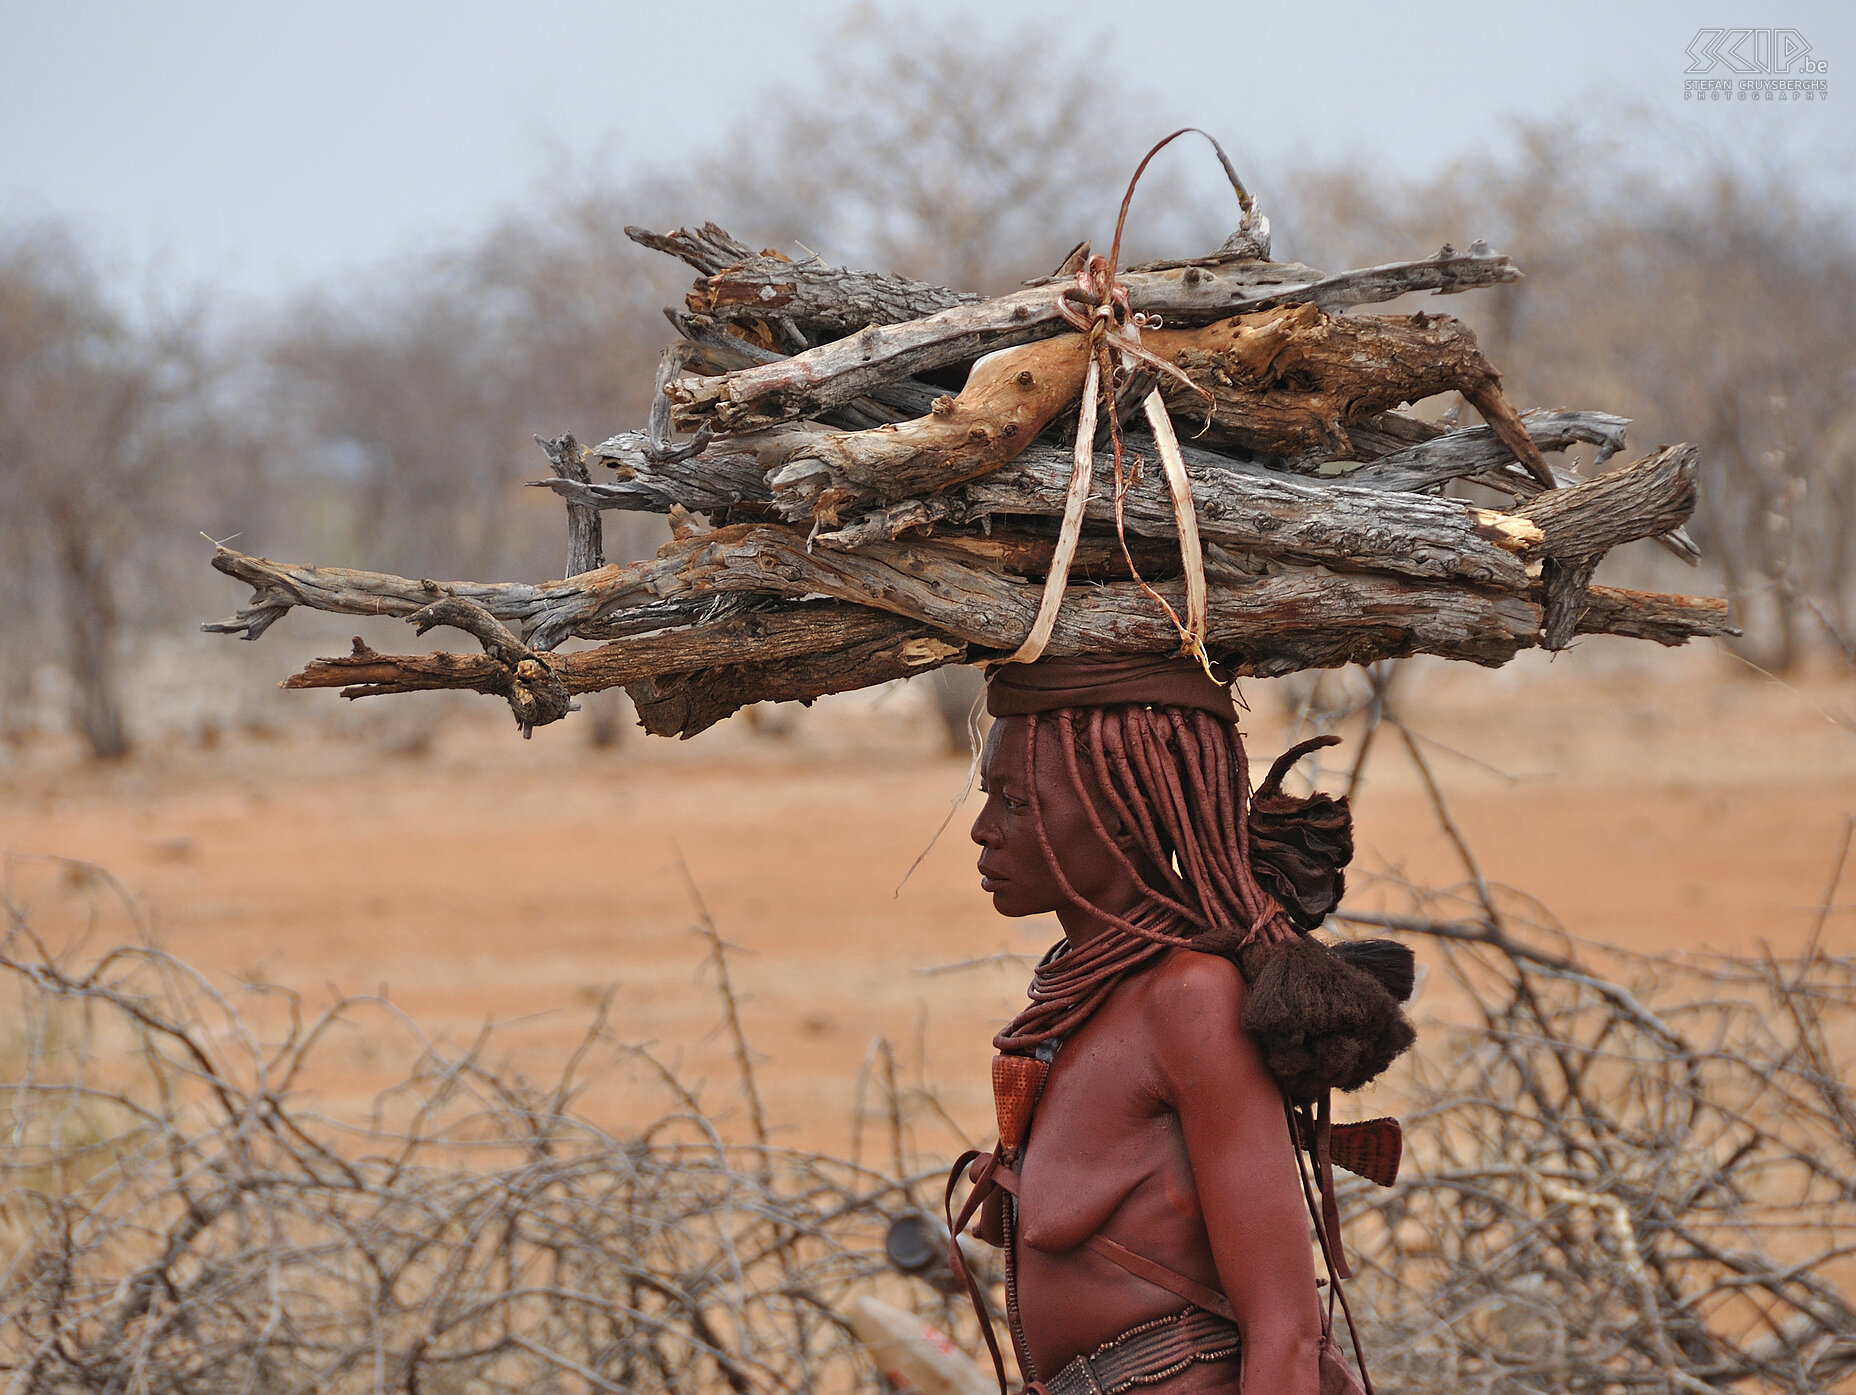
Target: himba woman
x=1150, y=1204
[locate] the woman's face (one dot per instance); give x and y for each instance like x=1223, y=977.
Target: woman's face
x=1013, y=867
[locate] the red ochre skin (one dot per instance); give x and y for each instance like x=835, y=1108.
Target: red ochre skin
x=1159, y=1126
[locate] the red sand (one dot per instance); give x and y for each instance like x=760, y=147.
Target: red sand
x=1653, y=800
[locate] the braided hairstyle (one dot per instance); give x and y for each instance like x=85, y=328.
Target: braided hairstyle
x=1178, y=780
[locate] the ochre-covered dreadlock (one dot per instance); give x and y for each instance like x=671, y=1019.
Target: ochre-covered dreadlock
x=1178, y=779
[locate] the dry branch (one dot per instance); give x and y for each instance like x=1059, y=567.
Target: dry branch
x=1008, y=399
x=177, y=1220
x=1439, y=456
x=1284, y=383
x=683, y=680
x=834, y=373
x=873, y=526
x=1288, y=382
x=1272, y=516
x=1333, y=522
x=910, y=607
x=586, y=548
x=822, y=301
x=1581, y=524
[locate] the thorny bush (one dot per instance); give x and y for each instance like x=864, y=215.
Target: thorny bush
x=1641, y=1181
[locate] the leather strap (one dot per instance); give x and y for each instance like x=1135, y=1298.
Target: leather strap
x=1160, y=1276
x=1328, y=1248
x=1324, y=1182
x=984, y=1183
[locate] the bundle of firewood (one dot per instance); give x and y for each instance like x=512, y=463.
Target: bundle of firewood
x=868, y=477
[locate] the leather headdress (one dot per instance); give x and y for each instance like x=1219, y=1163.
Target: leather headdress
x=1050, y=685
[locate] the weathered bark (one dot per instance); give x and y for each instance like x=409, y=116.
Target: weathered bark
x=544, y=614
x=718, y=481
x=1304, y=571
x=723, y=352
x=586, y=545
x=825, y=302
x=895, y=608
x=1275, y=624
x=681, y=681
x=682, y=704
x=612, y=602
x=1639, y=500
x=1464, y=549
x=1009, y=398
x=1289, y=381
x=708, y=249
x=1476, y=454
x=1441, y=456
x=821, y=378
x=1283, y=382
x=729, y=483
x=1098, y=556
x=690, y=679
x=1279, y=517
x=1665, y=619
x=1580, y=525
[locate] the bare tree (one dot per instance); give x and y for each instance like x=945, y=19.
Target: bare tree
x=1704, y=296
x=919, y=148
x=93, y=415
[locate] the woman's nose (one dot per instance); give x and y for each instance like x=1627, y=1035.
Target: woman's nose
x=985, y=828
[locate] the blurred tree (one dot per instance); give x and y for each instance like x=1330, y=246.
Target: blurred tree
x=95, y=415
x=921, y=147
x=1700, y=295
x=388, y=422
x=414, y=397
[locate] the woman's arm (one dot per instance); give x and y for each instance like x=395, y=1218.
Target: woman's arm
x=1237, y=1140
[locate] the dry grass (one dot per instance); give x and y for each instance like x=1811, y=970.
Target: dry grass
x=1643, y=1181
x=1625, y=1173
x=176, y=1218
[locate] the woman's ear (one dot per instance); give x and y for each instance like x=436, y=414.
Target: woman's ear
x=1119, y=832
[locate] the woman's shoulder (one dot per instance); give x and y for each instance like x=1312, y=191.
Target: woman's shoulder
x=1187, y=980
x=1192, y=1009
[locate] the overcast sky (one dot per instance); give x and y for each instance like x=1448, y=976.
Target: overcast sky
x=259, y=145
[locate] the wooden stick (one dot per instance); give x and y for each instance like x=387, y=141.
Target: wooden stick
x=586, y=547
x=1269, y=515
x=1580, y=525
x=685, y=680
x=1288, y=381
x=690, y=679
x=1665, y=619
x=1009, y=398
x=1475, y=450
x=1281, y=382
x=833, y=373
x=824, y=302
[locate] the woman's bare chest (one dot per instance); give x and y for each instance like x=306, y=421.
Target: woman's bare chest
x=1102, y=1135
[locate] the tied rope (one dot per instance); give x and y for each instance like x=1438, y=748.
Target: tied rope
x=1097, y=305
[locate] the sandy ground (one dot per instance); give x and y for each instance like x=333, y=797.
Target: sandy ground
x=1655, y=800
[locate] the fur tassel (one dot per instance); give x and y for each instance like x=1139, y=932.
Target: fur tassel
x=1392, y=963
x=1299, y=846
x=1324, y=1023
